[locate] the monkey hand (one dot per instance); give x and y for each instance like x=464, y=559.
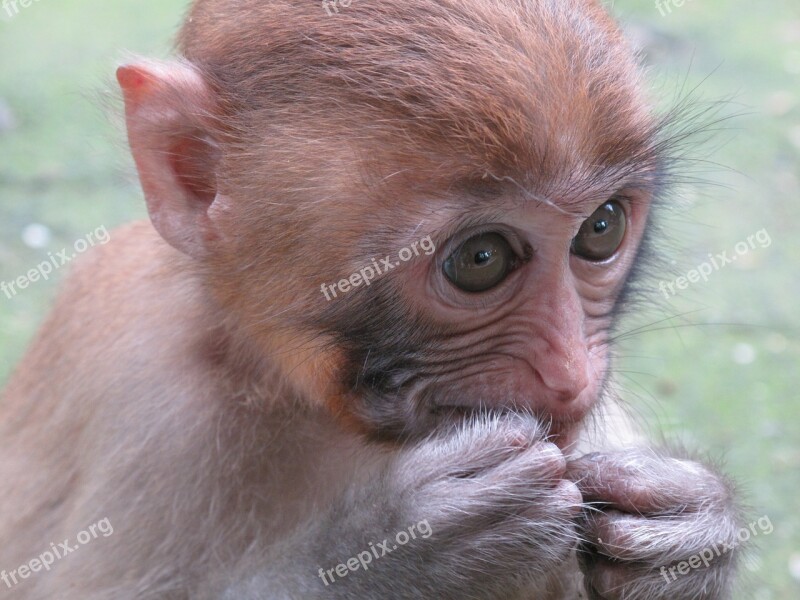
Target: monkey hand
x=498, y=503
x=655, y=527
x=482, y=512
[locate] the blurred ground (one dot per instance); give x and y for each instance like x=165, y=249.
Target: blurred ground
x=715, y=368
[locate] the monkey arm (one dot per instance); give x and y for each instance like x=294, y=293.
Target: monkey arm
x=430, y=525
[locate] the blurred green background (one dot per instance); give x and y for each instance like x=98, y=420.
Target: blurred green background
x=715, y=368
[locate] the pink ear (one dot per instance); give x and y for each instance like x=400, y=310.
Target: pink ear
x=166, y=107
x=134, y=82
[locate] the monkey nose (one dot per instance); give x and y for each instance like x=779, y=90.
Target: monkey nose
x=564, y=377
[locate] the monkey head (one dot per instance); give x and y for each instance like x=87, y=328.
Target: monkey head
x=306, y=146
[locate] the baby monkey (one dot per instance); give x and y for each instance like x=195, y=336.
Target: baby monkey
x=251, y=438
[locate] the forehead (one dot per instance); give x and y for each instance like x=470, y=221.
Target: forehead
x=483, y=95
x=544, y=93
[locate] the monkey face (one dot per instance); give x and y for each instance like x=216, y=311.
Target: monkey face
x=526, y=155
x=511, y=313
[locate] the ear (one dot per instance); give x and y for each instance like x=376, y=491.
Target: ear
x=168, y=111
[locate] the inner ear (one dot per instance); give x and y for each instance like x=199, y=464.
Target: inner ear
x=194, y=157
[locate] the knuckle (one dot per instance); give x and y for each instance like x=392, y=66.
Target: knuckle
x=570, y=496
x=548, y=458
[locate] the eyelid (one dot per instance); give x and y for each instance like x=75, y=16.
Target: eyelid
x=624, y=203
x=621, y=199
x=513, y=239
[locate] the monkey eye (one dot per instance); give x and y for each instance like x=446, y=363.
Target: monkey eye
x=601, y=235
x=480, y=262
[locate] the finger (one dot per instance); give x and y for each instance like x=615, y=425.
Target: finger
x=542, y=461
x=657, y=541
x=471, y=449
x=642, y=483
x=608, y=580
x=528, y=478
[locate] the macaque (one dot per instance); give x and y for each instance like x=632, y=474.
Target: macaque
x=249, y=437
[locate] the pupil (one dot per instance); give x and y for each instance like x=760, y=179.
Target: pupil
x=600, y=226
x=483, y=256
